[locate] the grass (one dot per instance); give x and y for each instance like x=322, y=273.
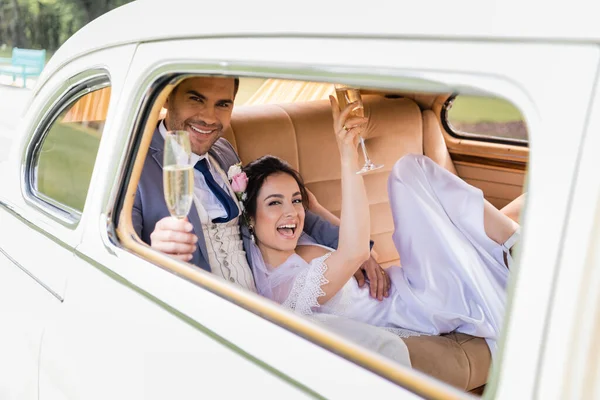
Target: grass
x=475, y=109
x=66, y=163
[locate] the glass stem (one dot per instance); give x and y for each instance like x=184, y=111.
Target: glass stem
x=364, y=150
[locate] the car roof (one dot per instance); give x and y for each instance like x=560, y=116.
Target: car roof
x=152, y=20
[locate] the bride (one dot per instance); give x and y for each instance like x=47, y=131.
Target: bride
x=454, y=245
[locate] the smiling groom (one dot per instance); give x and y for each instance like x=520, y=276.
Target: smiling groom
x=212, y=237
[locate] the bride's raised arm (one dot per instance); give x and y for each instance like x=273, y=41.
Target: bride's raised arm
x=353, y=248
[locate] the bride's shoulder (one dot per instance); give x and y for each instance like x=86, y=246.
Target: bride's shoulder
x=310, y=252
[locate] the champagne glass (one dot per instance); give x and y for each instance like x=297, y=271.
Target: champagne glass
x=346, y=95
x=178, y=173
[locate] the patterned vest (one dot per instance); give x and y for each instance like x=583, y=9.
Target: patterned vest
x=224, y=244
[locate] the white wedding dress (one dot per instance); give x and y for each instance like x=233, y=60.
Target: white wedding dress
x=452, y=277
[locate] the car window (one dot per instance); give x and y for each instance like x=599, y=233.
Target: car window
x=63, y=166
x=485, y=118
x=247, y=89
x=297, y=131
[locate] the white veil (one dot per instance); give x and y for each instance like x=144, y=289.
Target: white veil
x=260, y=272
x=270, y=281
x=295, y=284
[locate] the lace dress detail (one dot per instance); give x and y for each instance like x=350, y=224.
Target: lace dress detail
x=303, y=297
x=403, y=333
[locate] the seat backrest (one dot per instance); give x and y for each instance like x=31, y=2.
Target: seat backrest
x=29, y=57
x=302, y=134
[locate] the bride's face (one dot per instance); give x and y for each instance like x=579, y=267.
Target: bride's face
x=279, y=218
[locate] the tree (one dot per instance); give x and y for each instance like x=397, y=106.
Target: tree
x=16, y=26
x=47, y=23
x=94, y=8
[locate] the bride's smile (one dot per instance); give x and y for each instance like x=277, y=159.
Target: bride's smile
x=279, y=218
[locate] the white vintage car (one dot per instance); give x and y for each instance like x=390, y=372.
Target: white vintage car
x=88, y=311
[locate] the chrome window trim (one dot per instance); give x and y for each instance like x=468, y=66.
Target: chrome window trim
x=65, y=96
x=32, y=276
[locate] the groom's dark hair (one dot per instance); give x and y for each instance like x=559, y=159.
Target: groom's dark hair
x=259, y=170
x=236, y=84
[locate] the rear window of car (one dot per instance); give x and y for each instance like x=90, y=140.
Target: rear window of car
x=65, y=161
x=485, y=118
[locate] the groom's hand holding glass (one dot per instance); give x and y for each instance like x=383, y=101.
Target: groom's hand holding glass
x=172, y=235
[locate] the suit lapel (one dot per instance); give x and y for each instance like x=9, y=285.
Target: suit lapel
x=157, y=147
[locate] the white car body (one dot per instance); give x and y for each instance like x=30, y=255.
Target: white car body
x=84, y=318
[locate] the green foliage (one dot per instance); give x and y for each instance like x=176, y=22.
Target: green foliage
x=47, y=24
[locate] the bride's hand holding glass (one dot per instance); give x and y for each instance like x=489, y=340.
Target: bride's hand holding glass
x=351, y=95
x=348, y=129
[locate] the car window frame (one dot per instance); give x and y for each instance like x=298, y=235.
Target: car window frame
x=461, y=135
x=66, y=96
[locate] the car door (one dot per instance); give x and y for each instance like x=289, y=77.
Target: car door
x=403, y=63
x=134, y=329
x=25, y=306
x=46, y=182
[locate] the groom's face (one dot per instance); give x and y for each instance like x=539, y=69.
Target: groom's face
x=202, y=107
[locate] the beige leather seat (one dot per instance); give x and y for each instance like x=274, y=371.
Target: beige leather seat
x=302, y=134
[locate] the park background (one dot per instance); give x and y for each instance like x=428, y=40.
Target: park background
x=46, y=24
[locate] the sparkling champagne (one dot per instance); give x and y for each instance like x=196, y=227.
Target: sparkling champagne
x=347, y=95
x=179, y=189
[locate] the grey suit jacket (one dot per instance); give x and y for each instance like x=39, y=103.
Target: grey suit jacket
x=150, y=206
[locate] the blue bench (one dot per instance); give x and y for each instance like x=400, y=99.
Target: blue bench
x=24, y=63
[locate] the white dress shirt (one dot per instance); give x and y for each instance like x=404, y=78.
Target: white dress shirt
x=202, y=192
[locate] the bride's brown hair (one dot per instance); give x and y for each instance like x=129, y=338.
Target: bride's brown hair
x=259, y=170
